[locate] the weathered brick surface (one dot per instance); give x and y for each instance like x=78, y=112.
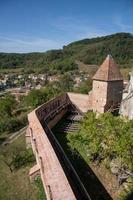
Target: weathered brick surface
x=57, y=118
x=44, y=110
x=82, y=101
x=54, y=179
x=34, y=171
x=106, y=94
x=99, y=96
x=107, y=87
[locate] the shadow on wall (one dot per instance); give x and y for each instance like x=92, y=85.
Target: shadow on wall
x=92, y=184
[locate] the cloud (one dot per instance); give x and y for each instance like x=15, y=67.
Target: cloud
x=69, y=30
x=77, y=29
x=118, y=21
x=20, y=45
x=65, y=30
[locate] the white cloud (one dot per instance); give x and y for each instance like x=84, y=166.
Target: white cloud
x=77, y=29
x=118, y=21
x=67, y=30
x=20, y=45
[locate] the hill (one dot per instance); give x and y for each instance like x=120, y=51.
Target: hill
x=88, y=51
x=93, y=51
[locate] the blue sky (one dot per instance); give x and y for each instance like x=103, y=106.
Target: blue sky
x=40, y=25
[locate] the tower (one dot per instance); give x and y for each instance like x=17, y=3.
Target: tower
x=107, y=86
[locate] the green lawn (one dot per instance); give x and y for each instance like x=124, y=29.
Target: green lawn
x=15, y=185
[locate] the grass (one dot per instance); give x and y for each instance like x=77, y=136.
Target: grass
x=11, y=70
x=16, y=185
x=39, y=184
x=3, y=137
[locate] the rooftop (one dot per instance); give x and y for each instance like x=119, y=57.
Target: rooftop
x=108, y=71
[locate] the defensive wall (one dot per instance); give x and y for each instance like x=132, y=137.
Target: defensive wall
x=59, y=178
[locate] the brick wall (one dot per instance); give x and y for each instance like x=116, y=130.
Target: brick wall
x=81, y=101
x=44, y=110
x=44, y=145
x=53, y=177
x=106, y=94
x=99, y=95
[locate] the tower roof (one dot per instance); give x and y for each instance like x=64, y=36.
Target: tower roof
x=108, y=71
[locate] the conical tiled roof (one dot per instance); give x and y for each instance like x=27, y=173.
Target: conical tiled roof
x=108, y=71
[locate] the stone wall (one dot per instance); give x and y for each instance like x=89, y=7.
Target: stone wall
x=51, y=106
x=83, y=102
x=114, y=93
x=57, y=118
x=52, y=174
x=58, y=175
x=106, y=95
x=127, y=100
x=99, y=96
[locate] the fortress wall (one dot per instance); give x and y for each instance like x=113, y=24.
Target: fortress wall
x=115, y=91
x=81, y=101
x=44, y=110
x=99, y=95
x=52, y=164
x=50, y=109
x=106, y=95
x=57, y=118
x=52, y=174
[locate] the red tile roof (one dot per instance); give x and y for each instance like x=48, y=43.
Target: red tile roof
x=108, y=71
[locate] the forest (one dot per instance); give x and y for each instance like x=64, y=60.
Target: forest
x=89, y=51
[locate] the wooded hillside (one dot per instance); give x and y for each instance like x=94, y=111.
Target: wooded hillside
x=89, y=51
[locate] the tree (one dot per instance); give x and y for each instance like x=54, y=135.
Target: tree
x=35, y=98
x=105, y=137
x=7, y=104
x=85, y=86
x=66, y=82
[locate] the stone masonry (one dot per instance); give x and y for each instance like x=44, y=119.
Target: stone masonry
x=55, y=181
x=106, y=94
x=107, y=87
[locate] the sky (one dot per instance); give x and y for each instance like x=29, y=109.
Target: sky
x=41, y=25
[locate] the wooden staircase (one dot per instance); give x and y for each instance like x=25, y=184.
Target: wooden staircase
x=69, y=124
